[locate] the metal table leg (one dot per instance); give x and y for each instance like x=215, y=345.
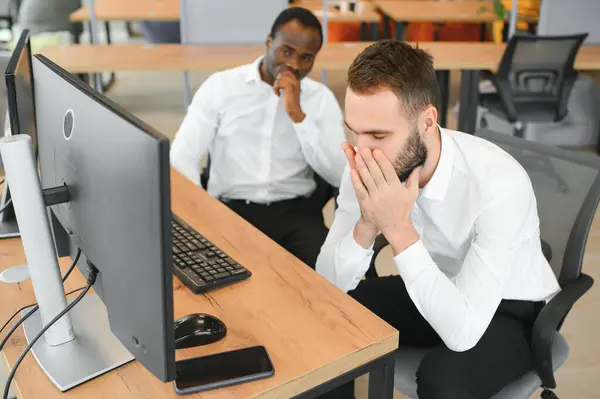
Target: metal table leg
x=400, y=27
x=386, y=27
x=469, y=99
x=381, y=380
x=363, y=31
x=443, y=78
x=374, y=31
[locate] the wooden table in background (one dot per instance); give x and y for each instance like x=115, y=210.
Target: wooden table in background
x=437, y=12
x=316, y=335
x=168, y=10
x=468, y=57
x=130, y=10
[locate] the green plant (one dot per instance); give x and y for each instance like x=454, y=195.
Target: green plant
x=498, y=9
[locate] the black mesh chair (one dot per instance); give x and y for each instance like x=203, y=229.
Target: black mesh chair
x=534, y=79
x=533, y=84
x=565, y=221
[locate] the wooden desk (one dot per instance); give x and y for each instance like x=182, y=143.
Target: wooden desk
x=87, y=58
x=168, y=10
x=313, y=331
x=438, y=12
x=130, y=10
x=468, y=57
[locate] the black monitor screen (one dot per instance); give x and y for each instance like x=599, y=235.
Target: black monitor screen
x=19, y=87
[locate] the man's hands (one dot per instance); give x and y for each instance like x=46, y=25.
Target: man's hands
x=385, y=202
x=287, y=85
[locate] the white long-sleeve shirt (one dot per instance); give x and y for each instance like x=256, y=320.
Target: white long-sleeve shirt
x=479, y=241
x=257, y=152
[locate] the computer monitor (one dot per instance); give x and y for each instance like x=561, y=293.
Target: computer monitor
x=117, y=172
x=21, y=117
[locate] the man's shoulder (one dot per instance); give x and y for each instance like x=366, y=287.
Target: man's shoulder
x=238, y=72
x=490, y=164
x=314, y=87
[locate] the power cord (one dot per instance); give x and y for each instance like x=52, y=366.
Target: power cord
x=92, y=274
x=36, y=307
x=30, y=305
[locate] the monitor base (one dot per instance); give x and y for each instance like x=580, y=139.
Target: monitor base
x=9, y=229
x=15, y=274
x=93, y=352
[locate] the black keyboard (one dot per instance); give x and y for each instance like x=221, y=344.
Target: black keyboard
x=198, y=263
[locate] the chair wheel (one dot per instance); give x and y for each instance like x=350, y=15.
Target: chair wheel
x=548, y=394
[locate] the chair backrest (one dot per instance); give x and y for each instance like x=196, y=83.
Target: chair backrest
x=565, y=214
x=540, y=69
x=228, y=22
x=560, y=17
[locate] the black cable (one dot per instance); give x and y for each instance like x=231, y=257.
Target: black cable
x=73, y=264
x=36, y=307
x=2, y=182
x=6, y=205
x=30, y=305
x=92, y=273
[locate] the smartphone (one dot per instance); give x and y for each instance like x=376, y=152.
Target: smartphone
x=222, y=370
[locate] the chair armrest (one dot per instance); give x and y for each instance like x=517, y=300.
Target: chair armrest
x=204, y=176
x=505, y=93
x=548, y=322
x=565, y=95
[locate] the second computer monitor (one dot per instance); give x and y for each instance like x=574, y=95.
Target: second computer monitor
x=118, y=175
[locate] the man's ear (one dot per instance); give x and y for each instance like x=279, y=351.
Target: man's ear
x=268, y=41
x=429, y=120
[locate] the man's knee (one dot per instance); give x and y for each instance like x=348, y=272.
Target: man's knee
x=437, y=378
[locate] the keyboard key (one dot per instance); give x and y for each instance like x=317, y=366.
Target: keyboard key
x=201, y=264
x=222, y=274
x=194, y=278
x=238, y=271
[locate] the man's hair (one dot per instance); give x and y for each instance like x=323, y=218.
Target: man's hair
x=393, y=65
x=303, y=16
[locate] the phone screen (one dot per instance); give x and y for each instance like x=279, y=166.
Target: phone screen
x=223, y=369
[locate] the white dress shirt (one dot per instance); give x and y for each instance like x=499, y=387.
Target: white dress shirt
x=479, y=241
x=257, y=152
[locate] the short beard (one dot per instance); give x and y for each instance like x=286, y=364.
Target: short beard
x=412, y=156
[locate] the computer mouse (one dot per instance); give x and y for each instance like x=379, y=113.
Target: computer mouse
x=198, y=329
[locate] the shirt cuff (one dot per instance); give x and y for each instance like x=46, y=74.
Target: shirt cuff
x=350, y=249
x=413, y=261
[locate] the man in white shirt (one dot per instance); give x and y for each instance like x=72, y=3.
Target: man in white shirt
x=268, y=129
x=461, y=217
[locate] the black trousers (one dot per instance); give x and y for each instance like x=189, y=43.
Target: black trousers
x=502, y=355
x=297, y=224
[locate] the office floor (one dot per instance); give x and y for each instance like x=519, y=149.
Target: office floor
x=157, y=99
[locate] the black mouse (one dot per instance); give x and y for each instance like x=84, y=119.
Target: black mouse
x=198, y=329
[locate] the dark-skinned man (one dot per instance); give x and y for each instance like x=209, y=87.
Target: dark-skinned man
x=269, y=129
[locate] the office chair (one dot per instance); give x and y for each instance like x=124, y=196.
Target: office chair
x=533, y=84
x=565, y=221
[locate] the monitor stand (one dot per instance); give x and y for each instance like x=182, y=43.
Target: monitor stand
x=9, y=229
x=93, y=352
